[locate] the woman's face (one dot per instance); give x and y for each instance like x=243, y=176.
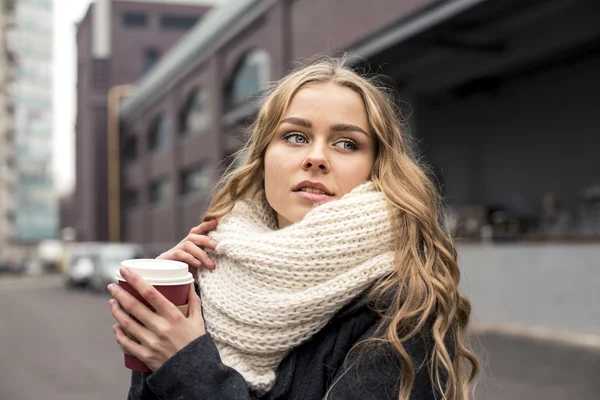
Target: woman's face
x=322, y=149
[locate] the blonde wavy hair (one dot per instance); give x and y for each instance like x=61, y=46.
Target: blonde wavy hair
x=423, y=292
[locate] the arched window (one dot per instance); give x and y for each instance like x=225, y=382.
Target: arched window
x=194, y=116
x=160, y=130
x=249, y=78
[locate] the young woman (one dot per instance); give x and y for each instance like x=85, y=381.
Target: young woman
x=324, y=271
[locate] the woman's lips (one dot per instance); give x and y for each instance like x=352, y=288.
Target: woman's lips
x=314, y=197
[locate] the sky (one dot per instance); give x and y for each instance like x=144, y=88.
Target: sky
x=66, y=14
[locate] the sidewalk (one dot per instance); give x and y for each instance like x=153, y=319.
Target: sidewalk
x=538, y=333
x=516, y=367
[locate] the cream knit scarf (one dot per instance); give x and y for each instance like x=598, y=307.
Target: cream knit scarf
x=272, y=289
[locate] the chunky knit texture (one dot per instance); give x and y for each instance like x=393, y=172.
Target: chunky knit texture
x=272, y=289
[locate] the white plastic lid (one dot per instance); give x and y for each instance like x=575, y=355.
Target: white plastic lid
x=159, y=272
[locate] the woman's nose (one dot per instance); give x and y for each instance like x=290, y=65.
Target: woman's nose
x=316, y=160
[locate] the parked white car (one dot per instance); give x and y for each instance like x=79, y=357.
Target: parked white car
x=108, y=262
x=79, y=260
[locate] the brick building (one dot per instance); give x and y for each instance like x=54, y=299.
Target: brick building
x=117, y=42
x=484, y=82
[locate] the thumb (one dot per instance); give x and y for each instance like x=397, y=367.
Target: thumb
x=194, y=302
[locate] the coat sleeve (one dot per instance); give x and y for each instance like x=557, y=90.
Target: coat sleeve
x=373, y=373
x=195, y=372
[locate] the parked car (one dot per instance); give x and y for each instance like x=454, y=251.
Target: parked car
x=12, y=267
x=79, y=263
x=108, y=261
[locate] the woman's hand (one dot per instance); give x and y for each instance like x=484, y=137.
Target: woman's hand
x=191, y=249
x=161, y=334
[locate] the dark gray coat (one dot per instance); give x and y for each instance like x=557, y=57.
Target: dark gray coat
x=307, y=373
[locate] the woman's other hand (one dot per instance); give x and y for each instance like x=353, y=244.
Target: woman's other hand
x=191, y=249
x=162, y=333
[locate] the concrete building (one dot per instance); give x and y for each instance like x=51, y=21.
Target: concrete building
x=37, y=213
x=8, y=175
x=117, y=41
x=500, y=97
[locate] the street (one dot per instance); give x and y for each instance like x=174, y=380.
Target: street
x=58, y=344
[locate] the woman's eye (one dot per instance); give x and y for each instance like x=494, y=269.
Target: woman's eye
x=347, y=145
x=295, y=138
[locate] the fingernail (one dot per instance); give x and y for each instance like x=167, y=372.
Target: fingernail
x=213, y=242
x=124, y=272
x=111, y=287
x=114, y=328
x=112, y=302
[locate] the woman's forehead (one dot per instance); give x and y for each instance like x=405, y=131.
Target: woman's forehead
x=327, y=102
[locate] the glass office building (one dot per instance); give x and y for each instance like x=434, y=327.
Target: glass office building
x=37, y=211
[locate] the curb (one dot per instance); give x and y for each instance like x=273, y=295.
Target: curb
x=16, y=282
x=588, y=341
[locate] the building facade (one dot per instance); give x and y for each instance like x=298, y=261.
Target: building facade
x=8, y=174
x=37, y=212
x=500, y=105
x=117, y=42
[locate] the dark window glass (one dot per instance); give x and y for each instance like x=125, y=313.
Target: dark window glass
x=130, y=148
x=159, y=191
x=100, y=74
x=159, y=133
x=135, y=19
x=177, y=21
x=131, y=198
x=196, y=179
x=151, y=57
x=194, y=117
x=248, y=79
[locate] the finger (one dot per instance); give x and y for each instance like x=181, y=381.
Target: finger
x=128, y=345
x=201, y=241
x=132, y=305
x=194, y=302
x=183, y=256
x=162, y=306
x=198, y=254
x=127, y=323
x=204, y=227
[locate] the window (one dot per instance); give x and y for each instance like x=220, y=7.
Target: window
x=177, y=21
x=99, y=75
x=130, y=148
x=135, y=20
x=196, y=179
x=252, y=72
x=159, y=133
x=194, y=117
x=151, y=57
x=131, y=199
x=159, y=192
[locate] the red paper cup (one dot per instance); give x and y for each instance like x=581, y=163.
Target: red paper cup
x=170, y=278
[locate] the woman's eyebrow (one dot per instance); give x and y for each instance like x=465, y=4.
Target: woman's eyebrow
x=334, y=128
x=347, y=128
x=297, y=121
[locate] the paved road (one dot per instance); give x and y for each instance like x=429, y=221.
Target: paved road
x=522, y=369
x=57, y=344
